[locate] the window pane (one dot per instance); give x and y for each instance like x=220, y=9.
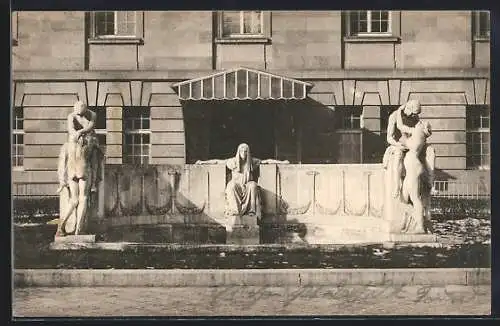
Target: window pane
x=362, y=22
x=126, y=23
x=484, y=24
x=104, y=23
x=384, y=26
x=100, y=117
x=376, y=15
x=230, y=23
x=251, y=22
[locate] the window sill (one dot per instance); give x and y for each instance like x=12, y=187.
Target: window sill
x=18, y=168
x=481, y=39
x=372, y=39
x=116, y=40
x=243, y=40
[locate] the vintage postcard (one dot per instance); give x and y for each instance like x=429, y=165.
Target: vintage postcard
x=250, y=163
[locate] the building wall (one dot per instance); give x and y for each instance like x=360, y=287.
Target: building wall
x=298, y=41
x=183, y=41
x=434, y=39
x=49, y=41
x=310, y=40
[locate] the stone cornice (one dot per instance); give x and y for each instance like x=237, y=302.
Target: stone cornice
x=180, y=75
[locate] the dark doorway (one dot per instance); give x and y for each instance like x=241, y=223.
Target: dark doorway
x=250, y=122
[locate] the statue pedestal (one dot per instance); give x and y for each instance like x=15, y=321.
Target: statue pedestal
x=245, y=231
x=85, y=238
x=406, y=237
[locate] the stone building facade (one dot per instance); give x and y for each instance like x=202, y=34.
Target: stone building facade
x=312, y=87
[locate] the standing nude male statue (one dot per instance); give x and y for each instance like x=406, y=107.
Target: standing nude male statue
x=79, y=164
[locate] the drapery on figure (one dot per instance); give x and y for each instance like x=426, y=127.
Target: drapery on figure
x=79, y=167
x=242, y=191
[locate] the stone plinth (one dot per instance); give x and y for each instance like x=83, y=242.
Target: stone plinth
x=406, y=237
x=245, y=231
x=87, y=238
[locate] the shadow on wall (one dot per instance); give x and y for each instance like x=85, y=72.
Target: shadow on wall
x=278, y=228
x=274, y=226
x=144, y=205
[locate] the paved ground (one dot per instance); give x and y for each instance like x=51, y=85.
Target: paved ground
x=239, y=301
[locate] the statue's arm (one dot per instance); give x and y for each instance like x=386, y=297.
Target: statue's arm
x=90, y=125
x=271, y=161
x=391, y=128
x=399, y=122
x=214, y=161
x=71, y=128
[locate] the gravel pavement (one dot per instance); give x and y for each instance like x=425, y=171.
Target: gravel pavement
x=251, y=301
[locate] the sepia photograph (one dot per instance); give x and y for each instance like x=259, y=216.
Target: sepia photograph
x=250, y=163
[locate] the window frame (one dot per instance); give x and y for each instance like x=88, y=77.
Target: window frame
x=393, y=34
x=129, y=156
x=480, y=131
x=136, y=38
x=476, y=26
x=263, y=37
x=101, y=131
x=352, y=111
x=15, y=132
x=14, y=27
x=385, y=113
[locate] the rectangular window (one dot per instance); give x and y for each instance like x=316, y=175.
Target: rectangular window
x=370, y=22
x=136, y=142
x=478, y=137
x=100, y=125
x=241, y=23
x=115, y=24
x=18, y=137
x=13, y=26
x=348, y=117
x=385, y=112
x=482, y=24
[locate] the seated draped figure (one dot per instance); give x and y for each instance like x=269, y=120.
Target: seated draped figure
x=242, y=191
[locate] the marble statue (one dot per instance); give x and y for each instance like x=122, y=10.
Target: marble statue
x=80, y=163
x=409, y=164
x=242, y=191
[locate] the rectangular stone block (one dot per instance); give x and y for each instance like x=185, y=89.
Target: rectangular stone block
x=421, y=238
x=76, y=239
x=246, y=220
x=244, y=235
x=158, y=234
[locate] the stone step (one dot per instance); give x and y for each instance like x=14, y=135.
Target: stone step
x=84, y=238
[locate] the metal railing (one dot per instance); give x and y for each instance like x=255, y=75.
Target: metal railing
x=451, y=189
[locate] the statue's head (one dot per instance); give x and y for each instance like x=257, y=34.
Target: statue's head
x=412, y=108
x=243, y=151
x=80, y=107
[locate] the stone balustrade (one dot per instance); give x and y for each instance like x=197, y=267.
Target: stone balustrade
x=334, y=203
